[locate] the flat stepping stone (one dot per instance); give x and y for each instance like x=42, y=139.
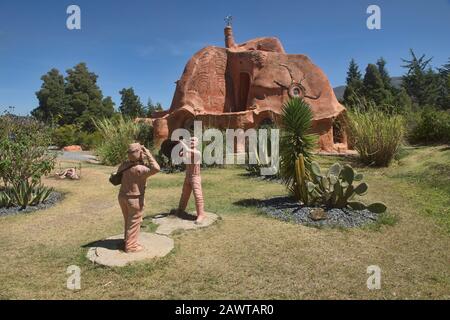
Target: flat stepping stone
x=109, y=252
x=168, y=223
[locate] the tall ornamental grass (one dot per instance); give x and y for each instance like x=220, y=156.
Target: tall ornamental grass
x=376, y=135
x=116, y=135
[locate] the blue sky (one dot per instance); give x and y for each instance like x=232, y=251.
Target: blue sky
x=146, y=44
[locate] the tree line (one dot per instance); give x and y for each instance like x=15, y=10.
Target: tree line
x=422, y=86
x=76, y=99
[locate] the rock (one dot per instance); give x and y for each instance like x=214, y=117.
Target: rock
x=318, y=214
x=94, y=161
x=168, y=223
x=109, y=252
x=72, y=148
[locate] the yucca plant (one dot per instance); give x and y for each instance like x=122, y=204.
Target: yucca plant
x=296, y=139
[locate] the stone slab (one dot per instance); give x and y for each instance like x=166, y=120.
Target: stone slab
x=168, y=223
x=109, y=252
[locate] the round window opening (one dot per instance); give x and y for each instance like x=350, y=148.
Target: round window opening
x=295, y=91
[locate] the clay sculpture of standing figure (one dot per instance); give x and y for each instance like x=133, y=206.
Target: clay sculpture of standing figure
x=192, y=181
x=135, y=171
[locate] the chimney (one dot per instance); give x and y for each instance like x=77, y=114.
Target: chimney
x=229, y=40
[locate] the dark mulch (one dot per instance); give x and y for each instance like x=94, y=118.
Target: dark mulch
x=52, y=199
x=287, y=209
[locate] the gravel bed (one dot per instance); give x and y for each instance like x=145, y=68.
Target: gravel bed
x=52, y=199
x=287, y=209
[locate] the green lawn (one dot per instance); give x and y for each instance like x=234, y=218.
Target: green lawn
x=246, y=254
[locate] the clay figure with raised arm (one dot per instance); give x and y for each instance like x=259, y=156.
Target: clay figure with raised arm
x=192, y=181
x=135, y=171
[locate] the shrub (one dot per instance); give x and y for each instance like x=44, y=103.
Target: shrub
x=24, y=159
x=144, y=134
x=71, y=134
x=116, y=135
x=376, y=135
x=295, y=140
x=89, y=140
x=430, y=126
x=65, y=135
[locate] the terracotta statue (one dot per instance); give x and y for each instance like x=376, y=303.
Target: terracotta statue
x=135, y=171
x=245, y=85
x=192, y=181
x=70, y=173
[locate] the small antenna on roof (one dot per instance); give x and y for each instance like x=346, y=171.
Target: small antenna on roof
x=228, y=20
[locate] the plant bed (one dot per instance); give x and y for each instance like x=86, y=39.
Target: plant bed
x=288, y=209
x=52, y=199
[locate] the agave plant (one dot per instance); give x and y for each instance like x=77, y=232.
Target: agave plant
x=25, y=193
x=5, y=199
x=334, y=189
x=296, y=140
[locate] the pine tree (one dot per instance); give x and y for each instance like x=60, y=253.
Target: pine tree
x=420, y=81
x=150, y=108
x=381, y=65
x=84, y=97
x=353, y=89
x=374, y=89
x=403, y=102
x=108, y=107
x=130, y=105
x=444, y=86
x=52, y=103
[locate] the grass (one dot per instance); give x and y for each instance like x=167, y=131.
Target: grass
x=376, y=135
x=245, y=254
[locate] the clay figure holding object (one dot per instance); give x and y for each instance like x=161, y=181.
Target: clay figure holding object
x=135, y=172
x=192, y=182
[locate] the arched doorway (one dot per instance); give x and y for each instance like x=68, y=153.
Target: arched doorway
x=244, y=87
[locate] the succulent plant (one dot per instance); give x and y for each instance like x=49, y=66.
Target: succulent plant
x=5, y=200
x=334, y=189
x=24, y=193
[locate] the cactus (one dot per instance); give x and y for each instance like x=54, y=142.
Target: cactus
x=301, y=189
x=336, y=189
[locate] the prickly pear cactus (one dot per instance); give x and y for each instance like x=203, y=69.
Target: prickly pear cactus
x=335, y=189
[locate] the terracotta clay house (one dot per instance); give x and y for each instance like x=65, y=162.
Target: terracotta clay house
x=245, y=85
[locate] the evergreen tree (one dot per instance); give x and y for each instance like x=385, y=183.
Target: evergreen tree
x=444, y=86
x=381, y=65
x=403, y=102
x=52, y=103
x=420, y=81
x=150, y=108
x=130, y=105
x=374, y=89
x=354, y=84
x=108, y=107
x=84, y=97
